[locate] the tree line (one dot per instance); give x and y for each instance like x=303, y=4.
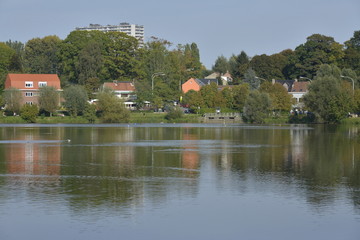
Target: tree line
x=88, y=58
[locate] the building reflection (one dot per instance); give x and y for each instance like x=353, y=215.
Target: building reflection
x=28, y=153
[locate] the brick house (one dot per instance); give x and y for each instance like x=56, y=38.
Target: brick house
x=30, y=84
x=196, y=84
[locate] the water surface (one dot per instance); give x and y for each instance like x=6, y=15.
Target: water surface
x=179, y=181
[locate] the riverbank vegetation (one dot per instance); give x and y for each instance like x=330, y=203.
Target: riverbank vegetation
x=85, y=60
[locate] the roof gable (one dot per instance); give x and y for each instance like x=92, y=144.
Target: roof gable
x=120, y=86
x=18, y=80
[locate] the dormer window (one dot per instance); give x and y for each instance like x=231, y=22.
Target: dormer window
x=42, y=84
x=29, y=84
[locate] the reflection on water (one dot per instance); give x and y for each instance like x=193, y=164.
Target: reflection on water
x=127, y=171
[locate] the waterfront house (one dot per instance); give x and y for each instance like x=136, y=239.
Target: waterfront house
x=196, y=84
x=30, y=84
x=123, y=90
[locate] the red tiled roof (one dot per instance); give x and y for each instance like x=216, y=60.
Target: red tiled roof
x=300, y=87
x=18, y=80
x=120, y=86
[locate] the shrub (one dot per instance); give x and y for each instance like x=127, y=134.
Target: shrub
x=174, y=113
x=29, y=112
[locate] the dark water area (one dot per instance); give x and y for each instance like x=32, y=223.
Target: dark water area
x=179, y=181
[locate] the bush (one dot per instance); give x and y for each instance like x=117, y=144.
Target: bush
x=29, y=112
x=174, y=113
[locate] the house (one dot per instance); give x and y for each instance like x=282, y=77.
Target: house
x=225, y=78
x=298, y=90
x=30, y=84
x=123, y=90
x=295, y=88
x=196, y=84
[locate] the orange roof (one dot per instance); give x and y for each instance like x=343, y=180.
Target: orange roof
x=300, y=87
x=18, y=80
x=120, y=86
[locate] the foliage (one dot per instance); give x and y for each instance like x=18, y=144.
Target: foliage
x=240, y=94
x=257, y=107
x=90, y=62
x=174, y=113
x=317, y=50
x=41, y=55
x=211, y=96
x=251, y=79
x=75, y=97
x=281, y=100
x=48, y=99
x=13, y=99
x=6, y=56
x=89, y=112
x=112, y=109
x=221, y=65
x=269, y=67
x=328, y=97
x=29, y=112
x=352, y=53
x=238, y=66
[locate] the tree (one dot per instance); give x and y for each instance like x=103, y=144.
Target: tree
x=328, y=96
x=240, y=94
x=269, y=67
x=29, y=112
x=352, y=53
x=251, y=79
x=194, y=100
x=90, y=62
x=75, y=99
x=41, y=55
x=112, y=109
x=211, y=96
x=48, y=99
x=13, y=99
x=238, y=66
x=89, y=112
x=6, y=55
x=317, y=50
x=257, y=107
x=281, y=100
x=221, y=65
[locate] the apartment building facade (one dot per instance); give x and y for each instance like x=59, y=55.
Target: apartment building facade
x=134, y=30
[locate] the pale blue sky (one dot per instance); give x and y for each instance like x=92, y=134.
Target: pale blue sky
x=222, y=27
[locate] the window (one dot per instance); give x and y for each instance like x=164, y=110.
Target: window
x=29, y=84
x=29, y=103
x=42, y=84
x=28, y=94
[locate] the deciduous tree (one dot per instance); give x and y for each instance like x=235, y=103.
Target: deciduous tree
x=49, y=99
x=75, y=99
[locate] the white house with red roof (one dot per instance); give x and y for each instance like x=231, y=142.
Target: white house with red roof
x=123, y=90
x=30, y=84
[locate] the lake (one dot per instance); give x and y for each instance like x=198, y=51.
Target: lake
x=179, y=181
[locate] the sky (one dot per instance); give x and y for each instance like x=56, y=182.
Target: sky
x=222, y=27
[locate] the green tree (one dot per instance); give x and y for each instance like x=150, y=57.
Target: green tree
x=112, y=109
x=240, y=94
x=194, y=100
x=17, y=60
x=269, y=67
x=41, y=55
x=238, y=66
x=328, y=96
x=29, y=112
x=281, y=100
x=90, y=62
x=48, y=99
x=317, y=50
x=251, y=79
x=211, y=96
x=352, y=53
x=75, y=97
x=6, y=55
x=89, y=112
x=257, y=107
x=221, y=65
x=13, y=100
